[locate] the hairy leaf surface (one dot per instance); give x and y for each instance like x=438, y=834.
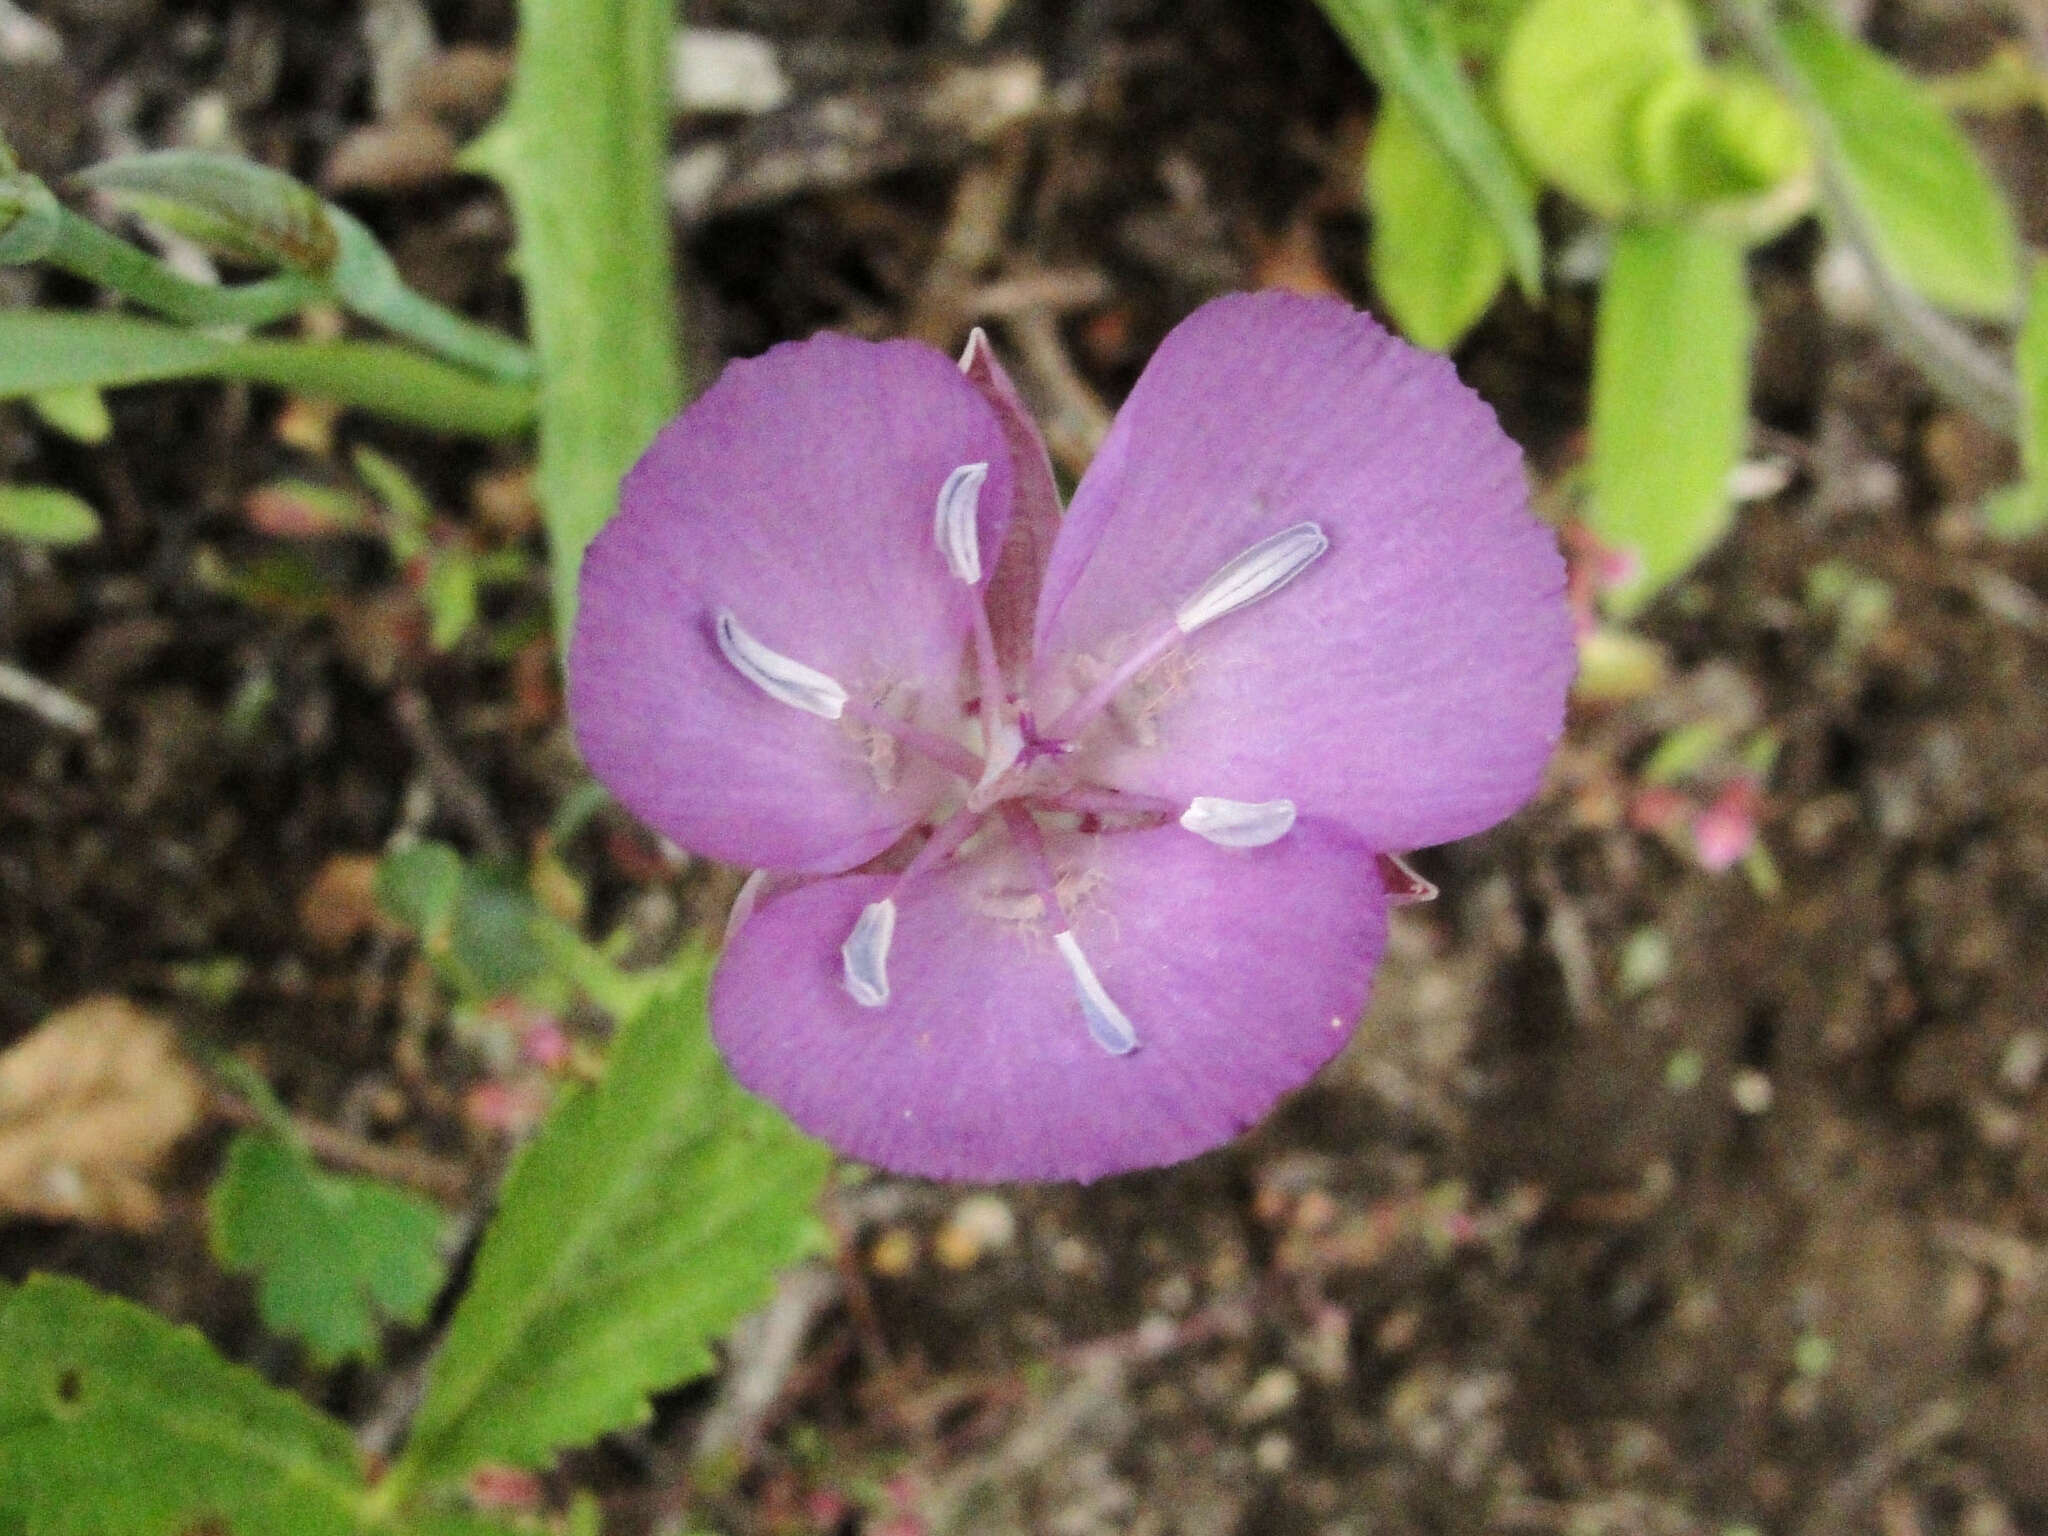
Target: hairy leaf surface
x=114, y=1420
x=647, y=1216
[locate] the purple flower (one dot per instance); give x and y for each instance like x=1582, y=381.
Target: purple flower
x=1070, y=829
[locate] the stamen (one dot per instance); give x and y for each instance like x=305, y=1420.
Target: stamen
x=1108, y=1026
x=783, y=679
x=954, y=523
x=1259, y=572
x=948, y=754
x=1238, y=823
x=865, y=954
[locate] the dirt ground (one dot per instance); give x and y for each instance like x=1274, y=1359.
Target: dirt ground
x=1648, y=1200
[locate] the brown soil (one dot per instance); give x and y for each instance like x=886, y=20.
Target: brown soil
x=1645, y=1202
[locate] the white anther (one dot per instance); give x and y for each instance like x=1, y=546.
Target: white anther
x=865, y=953
x=783, y=679
x=1107, y=1024
x=1238, y=823
x=1259, y=572
x=955, y=522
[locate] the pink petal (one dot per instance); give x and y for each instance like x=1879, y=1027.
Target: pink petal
x=797, y=492
x=1035, y=521
x=1411, y=683
x=1242, y=970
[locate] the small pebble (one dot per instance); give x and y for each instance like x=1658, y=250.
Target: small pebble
x=1274, y=1453
x=894, y=1253
x=1070, y=1256
x=980, y=1224
x=2025, y=1055
x=1751, y=1091
x=1272, y=1394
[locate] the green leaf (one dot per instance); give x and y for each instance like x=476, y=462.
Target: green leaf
x=1570, y=83
x=418, y=886
x=450, y=594
x=2022, y=509
x=113, y=1420
x=334, y=1255
x=1670, y=400
x=1938, y=218
x=235, y=207
x=31, y=218
x=1702, y=138
x=408, y=513
x=491, y=938
x=582, y=151
x=41, y=514
x=1436, y=258
x=45, y=349
x=80, y=414
x=647, y=1216
x=1406, y=47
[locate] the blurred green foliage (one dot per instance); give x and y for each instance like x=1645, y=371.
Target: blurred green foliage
x=1684, y=135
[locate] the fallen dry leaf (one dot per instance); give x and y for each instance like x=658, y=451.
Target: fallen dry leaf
x=90, y=1103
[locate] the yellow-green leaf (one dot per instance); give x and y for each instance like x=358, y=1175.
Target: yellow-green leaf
x=1407, y=47
x=1670, y=400
x=1938, y=217
x=1437, y=259
x=1572, y=79
x=41, y=514
x=80, y=413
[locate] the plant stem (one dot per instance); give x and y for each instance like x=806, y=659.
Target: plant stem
x=1968, y=373
x=85, y=250
x=581, y=149
x=43, y=349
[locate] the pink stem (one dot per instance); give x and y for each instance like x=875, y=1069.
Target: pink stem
x=1107, y=802
x=950, y=834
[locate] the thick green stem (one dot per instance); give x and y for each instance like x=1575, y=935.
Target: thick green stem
x=581, y=150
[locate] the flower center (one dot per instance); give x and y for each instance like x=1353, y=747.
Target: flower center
x=1025, y=773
